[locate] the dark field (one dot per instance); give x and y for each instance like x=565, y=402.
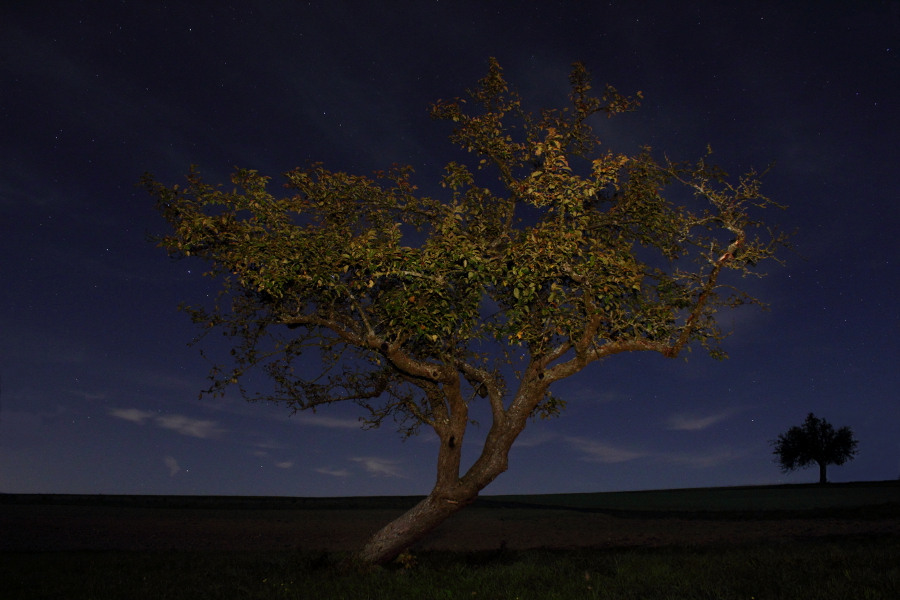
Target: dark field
x=838, y=540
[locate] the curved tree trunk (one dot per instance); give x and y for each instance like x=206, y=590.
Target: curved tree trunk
x=451, y=493
x=409, y=528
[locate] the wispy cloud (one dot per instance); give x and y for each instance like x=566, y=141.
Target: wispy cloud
x=379, y=467
x=594, y=451
x=604, y=453
x=682, y=422
x=271, y=445
x=591, y=395
x=180, y=423
x=529, y=440
x=172, y=464
x=322, y=421
x=191, y=427
x=281, y=465
x=700, y=461
x=132, y=414
x=336, y=473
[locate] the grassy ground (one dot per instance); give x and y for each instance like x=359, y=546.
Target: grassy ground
x=765, y=498
x=839, y=568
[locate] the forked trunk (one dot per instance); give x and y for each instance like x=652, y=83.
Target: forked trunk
x=451, y=493
x=409, y=528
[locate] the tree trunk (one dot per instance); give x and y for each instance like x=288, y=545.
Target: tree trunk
x=822, y=467
x=451, y=493
x=449, y=496
x=411, y=527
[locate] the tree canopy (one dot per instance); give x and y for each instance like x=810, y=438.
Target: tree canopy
x=815, y=442
x=540, y=246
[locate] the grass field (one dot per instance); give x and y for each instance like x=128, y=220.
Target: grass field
x=792, y=497
x=787, y=497
x=847, y=569
x=838, y=567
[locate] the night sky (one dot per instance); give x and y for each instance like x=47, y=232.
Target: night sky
x=100, y=390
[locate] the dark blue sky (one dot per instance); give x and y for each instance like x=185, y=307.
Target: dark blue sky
x=99, y=389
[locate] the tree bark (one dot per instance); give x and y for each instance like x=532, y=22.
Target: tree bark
x=451, y=493
x=411, y=527
x=822, y=478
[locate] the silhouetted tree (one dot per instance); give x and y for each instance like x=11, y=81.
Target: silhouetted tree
x=327, y=269
x=815, y=441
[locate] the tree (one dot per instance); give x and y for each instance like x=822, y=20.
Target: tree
x=424, y=331
x=815, y=441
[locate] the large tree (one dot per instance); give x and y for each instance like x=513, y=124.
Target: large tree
x=481, y=304
x=817, y=442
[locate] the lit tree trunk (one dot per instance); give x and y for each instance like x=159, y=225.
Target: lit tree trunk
x=451, y=493
x=408, y=529
x=822, y=467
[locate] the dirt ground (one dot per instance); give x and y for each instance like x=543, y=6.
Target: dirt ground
x=41, y=528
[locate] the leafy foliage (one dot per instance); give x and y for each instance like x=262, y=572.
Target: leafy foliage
x=570, y=256
x=326, y=268
x=815, y=442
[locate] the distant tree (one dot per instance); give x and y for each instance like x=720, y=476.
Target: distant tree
x=426, y=327
x=815, y=441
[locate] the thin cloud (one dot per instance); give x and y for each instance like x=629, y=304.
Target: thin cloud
x=271, y=445
x=379, y=467
x=191, y=427
x=330, y=471
x=281, y=465
x=700, y=461
x=534, y=439
x=603, y=453
x=693, y=423
x=586, y=394
x=132, y=414
x=332, y=422
x=180, y=423
x=172, y=464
